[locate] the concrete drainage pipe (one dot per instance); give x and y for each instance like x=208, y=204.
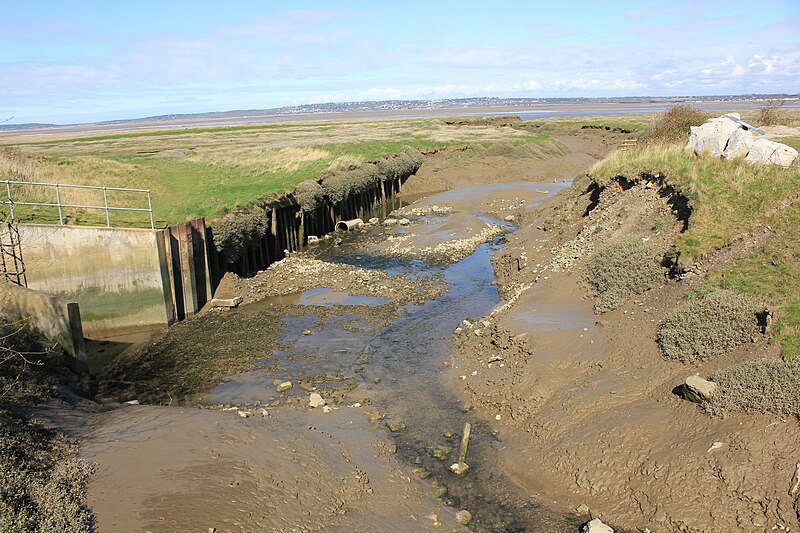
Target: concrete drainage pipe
x=347, y=225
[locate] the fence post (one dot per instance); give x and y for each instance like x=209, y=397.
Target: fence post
x=58, y=200
x=150, y=207
x=10, y=201
x=105, y=200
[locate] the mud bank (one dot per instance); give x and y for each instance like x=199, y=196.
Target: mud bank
x=374, y=354
x=586, y=402
x=192, y=470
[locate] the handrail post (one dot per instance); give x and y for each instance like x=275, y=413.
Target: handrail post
x=150, y=207
x=10, y=201
x=105, y=199
x=58, y=200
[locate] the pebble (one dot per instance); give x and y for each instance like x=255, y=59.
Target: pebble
x=459, y=469
x=315, y=400
x=464, y=517
x=283, y=386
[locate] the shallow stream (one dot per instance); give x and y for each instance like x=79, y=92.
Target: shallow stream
x=400, y=370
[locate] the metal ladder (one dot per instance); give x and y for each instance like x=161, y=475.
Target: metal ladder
x=12, y=267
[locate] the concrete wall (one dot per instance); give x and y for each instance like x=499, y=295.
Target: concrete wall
x=117, y=275
x=55, y=318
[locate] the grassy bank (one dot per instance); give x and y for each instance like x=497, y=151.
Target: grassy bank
x=732, y=200
x=210, y=170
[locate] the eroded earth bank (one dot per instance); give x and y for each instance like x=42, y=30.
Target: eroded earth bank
x=336, y=395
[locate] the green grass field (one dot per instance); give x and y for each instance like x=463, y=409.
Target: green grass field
x=209, y=171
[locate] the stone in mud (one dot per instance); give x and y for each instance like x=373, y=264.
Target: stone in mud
x=404, y=222
x=373, y=416
x=315, y=400
x=374, y=220
x=312, y=240
x=283, y=386
x=459, y=469
x=597, y=526
x=395, y=425
x=390, y=222
x=464, y=517
x=699, y=390
x=226, y=302
x=510, y=218
x=582, y=509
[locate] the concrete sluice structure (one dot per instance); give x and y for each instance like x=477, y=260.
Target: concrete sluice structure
x=130, y=279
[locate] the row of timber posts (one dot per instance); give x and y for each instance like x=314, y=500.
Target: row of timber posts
x=194, y=268
x=290, y=226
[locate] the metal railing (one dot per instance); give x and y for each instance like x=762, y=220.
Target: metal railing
x=59, y=186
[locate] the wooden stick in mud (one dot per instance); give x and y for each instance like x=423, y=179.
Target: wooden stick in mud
x=795, y=481
x=462, y=452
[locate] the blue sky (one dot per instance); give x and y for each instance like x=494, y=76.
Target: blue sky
x=82, y=61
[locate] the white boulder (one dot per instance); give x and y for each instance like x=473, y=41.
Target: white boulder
x=739, y=144
x=597, y=526
x=712, y=137
x=766, y=151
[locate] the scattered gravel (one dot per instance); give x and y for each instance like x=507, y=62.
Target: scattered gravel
x=299, y=273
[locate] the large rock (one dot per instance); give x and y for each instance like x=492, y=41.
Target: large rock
x=712, y=137
x=739, y=144
x=699, y=390
x=766, y=151
x=597, y=526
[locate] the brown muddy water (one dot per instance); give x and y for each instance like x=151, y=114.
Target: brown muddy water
x=396, y=372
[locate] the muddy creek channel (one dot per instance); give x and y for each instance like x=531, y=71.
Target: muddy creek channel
x=387, y=364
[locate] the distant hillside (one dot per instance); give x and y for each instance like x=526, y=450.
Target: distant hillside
x=466, y=103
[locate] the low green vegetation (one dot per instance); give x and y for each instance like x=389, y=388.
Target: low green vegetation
x=634, y=123
x=619, y=271
x=758, y=387
x=772, y=272
x=732, y=200
x=709, y=325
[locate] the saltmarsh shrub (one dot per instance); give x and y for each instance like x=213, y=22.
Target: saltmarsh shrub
x=618, y=271
x=309, y=195
x=710, y=325
x=673, y=125
x=234, y=232
x=758, y=387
